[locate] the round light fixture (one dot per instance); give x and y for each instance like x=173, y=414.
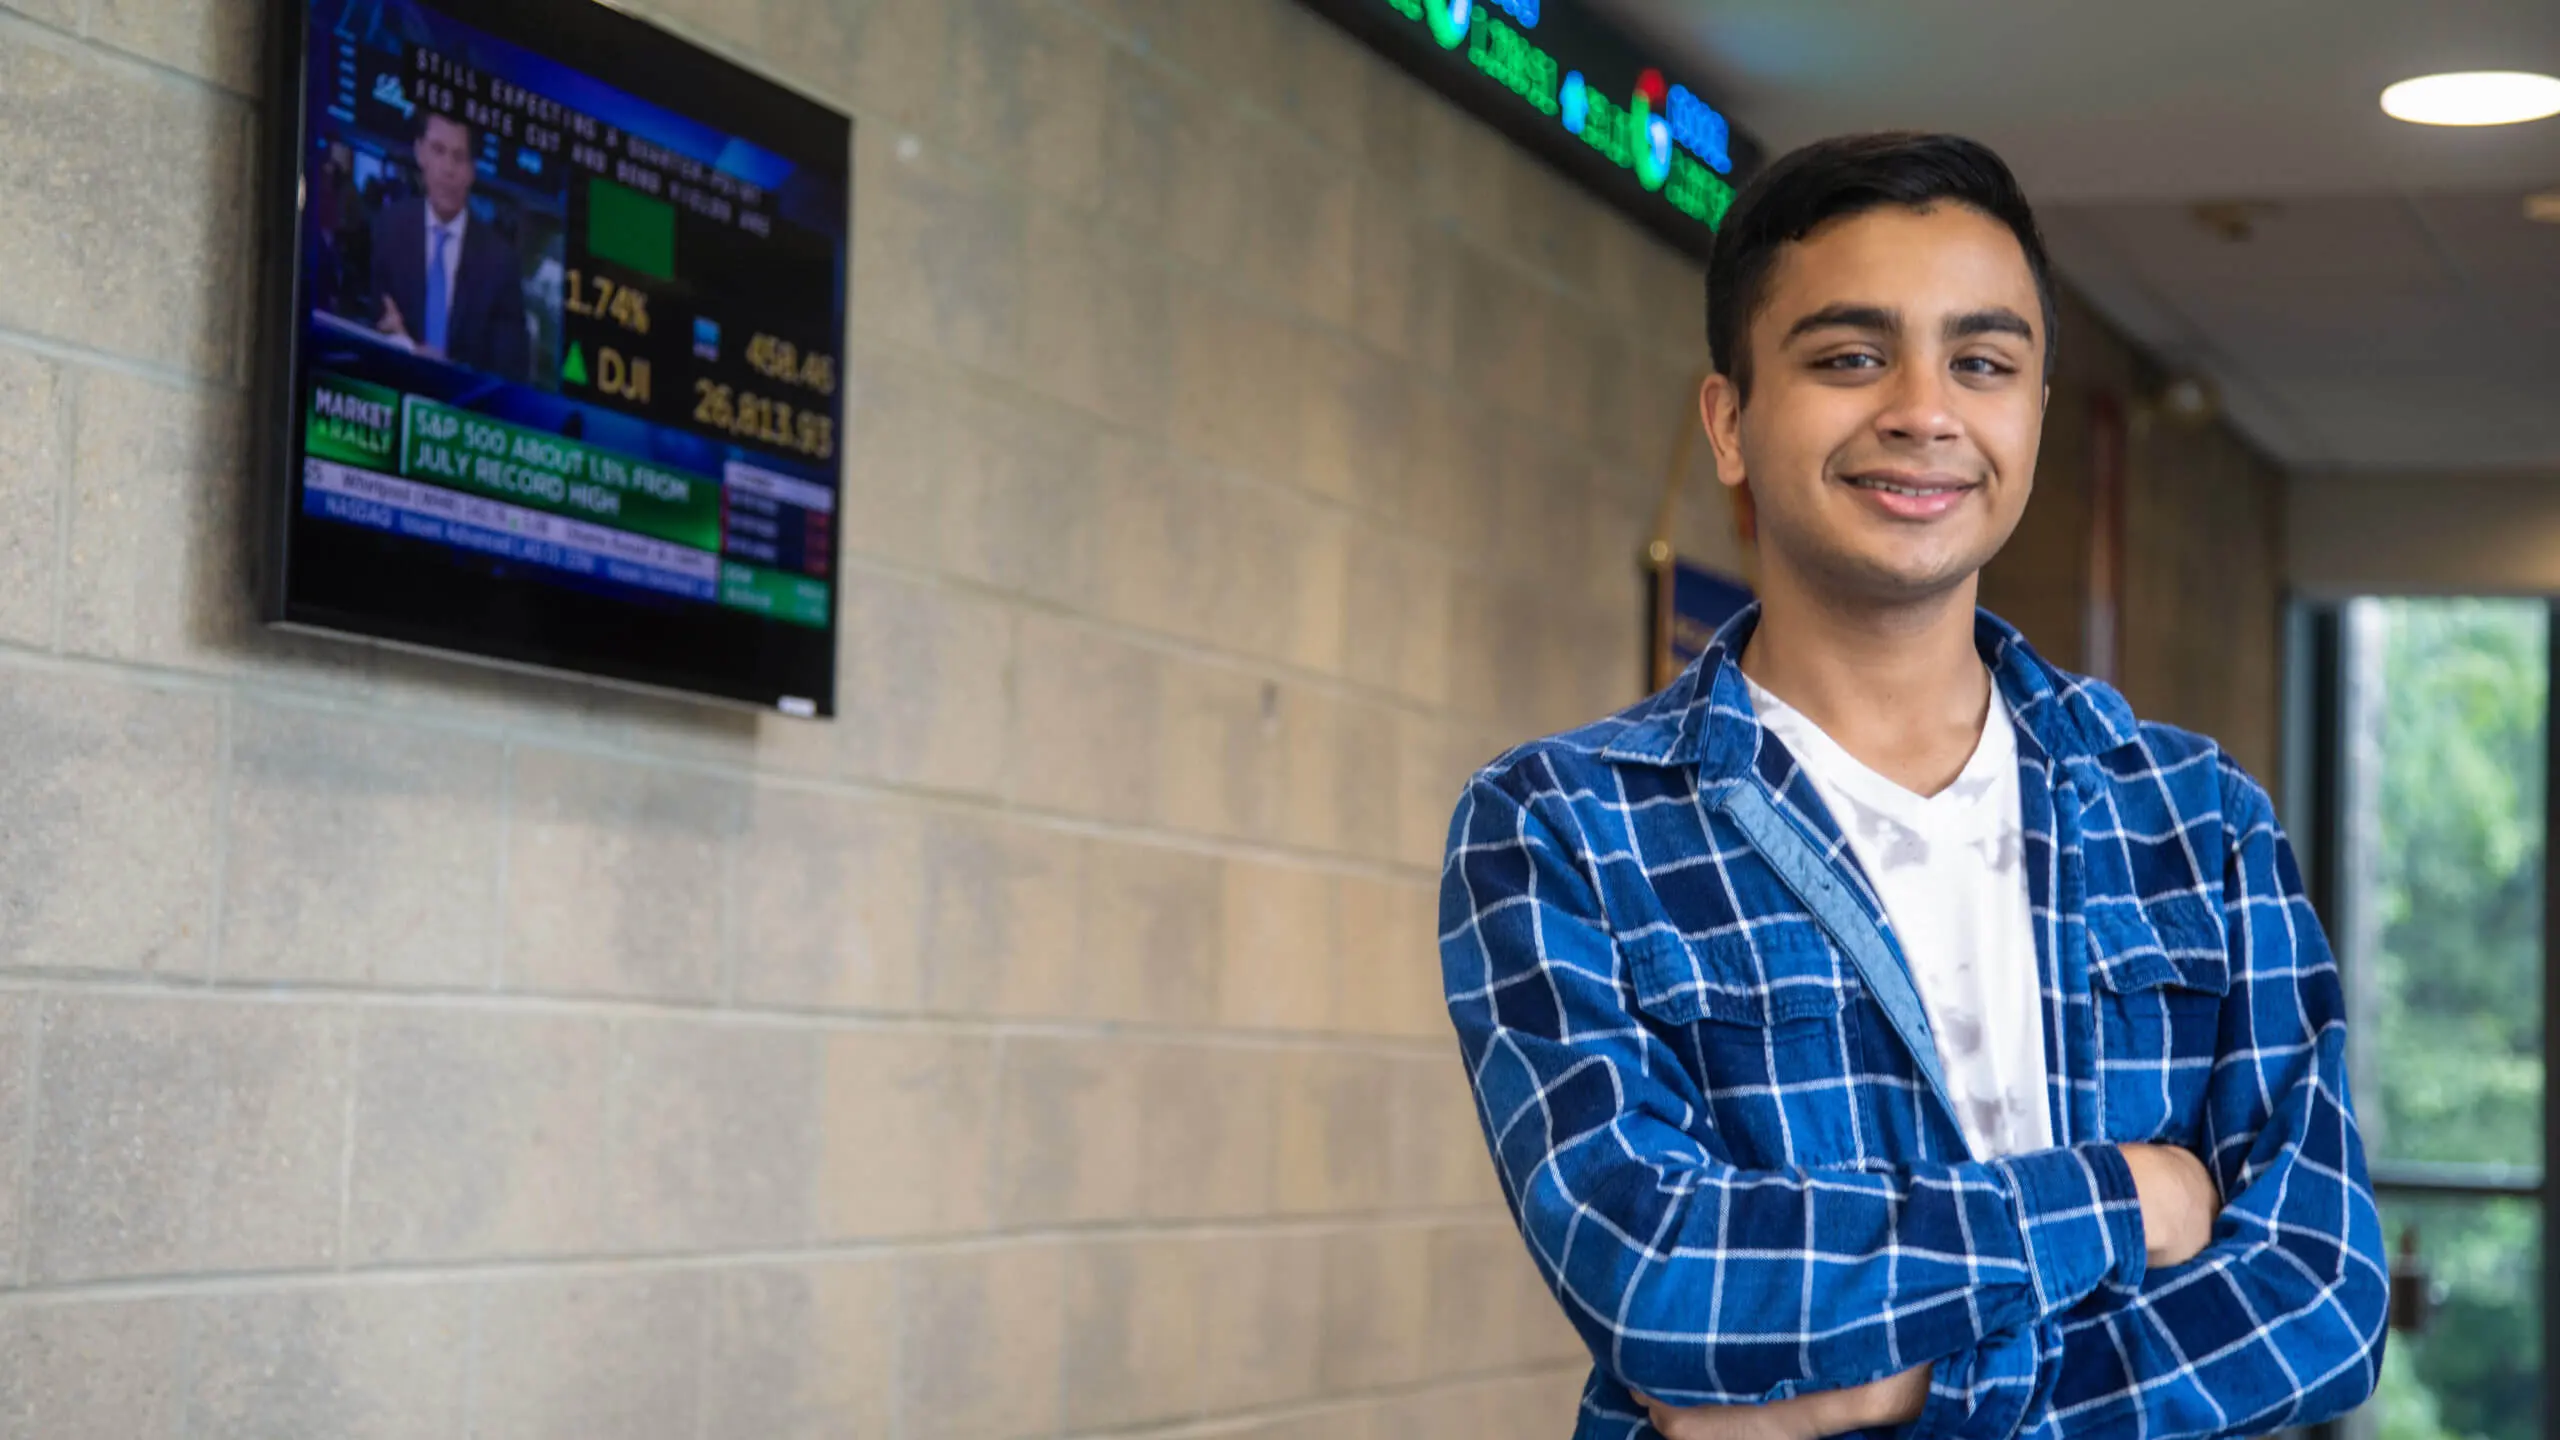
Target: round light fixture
x=2473, y=97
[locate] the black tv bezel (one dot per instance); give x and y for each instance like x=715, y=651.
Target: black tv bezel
x=413, y=597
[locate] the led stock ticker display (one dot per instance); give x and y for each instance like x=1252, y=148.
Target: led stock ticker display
x=560, y=380
x=1574, y=89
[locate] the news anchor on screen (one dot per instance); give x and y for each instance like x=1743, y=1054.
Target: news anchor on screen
x=447, y=286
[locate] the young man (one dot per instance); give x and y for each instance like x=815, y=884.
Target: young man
x=1881, y=1027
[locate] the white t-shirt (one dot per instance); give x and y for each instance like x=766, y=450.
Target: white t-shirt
x=1951, y=869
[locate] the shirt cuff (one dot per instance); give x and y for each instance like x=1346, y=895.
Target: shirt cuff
x=1981, y=1394
x=2081, y=1220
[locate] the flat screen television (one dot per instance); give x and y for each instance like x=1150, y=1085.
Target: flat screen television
x=552, y=363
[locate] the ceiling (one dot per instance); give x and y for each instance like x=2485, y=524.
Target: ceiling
x=2391, y=307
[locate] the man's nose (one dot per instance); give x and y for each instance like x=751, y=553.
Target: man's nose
x=1916, y=406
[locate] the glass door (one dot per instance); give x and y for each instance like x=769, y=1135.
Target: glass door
x=2431, y=846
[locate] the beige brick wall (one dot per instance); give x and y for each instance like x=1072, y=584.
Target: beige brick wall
x=1244, y=446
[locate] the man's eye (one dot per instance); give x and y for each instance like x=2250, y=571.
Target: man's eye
x=1984, y=365
x=1858, y=360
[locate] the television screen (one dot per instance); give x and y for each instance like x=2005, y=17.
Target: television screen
x=557, y=332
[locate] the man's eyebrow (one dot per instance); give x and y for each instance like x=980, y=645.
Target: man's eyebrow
x=1847, y=317
x=1996, y=320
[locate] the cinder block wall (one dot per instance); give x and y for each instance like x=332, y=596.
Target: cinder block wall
x=1244, y=445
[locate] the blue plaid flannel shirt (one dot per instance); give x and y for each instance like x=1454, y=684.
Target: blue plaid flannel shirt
x=1718, y=1116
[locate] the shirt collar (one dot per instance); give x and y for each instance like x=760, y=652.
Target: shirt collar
x=1705, y=717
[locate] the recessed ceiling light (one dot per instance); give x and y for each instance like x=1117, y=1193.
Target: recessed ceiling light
x=2474, y=97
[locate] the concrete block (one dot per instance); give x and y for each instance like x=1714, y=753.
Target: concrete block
x=1377, y=1308
x=1326, y=82
x=1388, y=982
x=124, y=228
x=614, y=877
x=1387, y=269
x=1036, y=77
x=895, y=428
x=1281, y=940
x=1433, y=766
x=982, y=1337
x=1485, y=1298
x=1529, y=1407
x=828, y=899
x=209, y=38
x=1000, y=908
x=1312, y=786
x=1442, y=496
x=107, y=855
x=1335, y=1132
x=1021, y=499
x=185, y=1135
x=1085, y=716
x=1153, y=925
x=885, y=57
x=1367, y=777
x=1353, y=1420
x=1398, y=595
x=372, y=1362
x=802, y=1352
x=1439, y=1148
x=1356, y=425
x=617, y=1355
x=1259, y=1324
x=907, y=1135
x=1238, y=383
x=34, y=464
x=1219, y=751
x=1134, y=1311
x=1206, y=1130
x=160, y=536
x=18, y=1016
x=937, y=254
x=1095, y=313
x=713, y=1142
x=477, y=1135
x=920, y=686
x=1211, y=156
x=1069, y=1149
x=1281, y=561
x=75, y=1368
x=1163, y=529
x=1303, y=229
x=361, y=852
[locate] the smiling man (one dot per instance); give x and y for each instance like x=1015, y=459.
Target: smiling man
x=1881, y=1027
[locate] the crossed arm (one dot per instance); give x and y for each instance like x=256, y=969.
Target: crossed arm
x=2053, y=1294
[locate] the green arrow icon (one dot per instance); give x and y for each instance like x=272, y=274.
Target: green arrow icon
x=574, y=369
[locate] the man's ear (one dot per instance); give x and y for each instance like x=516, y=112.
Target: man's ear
x=1720, y=411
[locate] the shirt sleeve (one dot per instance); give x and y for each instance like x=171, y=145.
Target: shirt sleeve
x=2280, y=1321
x=1690, y=1279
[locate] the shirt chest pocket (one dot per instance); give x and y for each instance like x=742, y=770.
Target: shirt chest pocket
x=2162, y=971
x=1765, y=1023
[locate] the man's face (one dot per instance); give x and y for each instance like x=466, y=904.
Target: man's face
x=1897, y=398
x=444, y=162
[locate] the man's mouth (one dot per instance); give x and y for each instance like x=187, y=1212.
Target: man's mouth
x=1916, y=486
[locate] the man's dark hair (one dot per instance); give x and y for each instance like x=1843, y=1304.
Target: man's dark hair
x=1850, y=175
x=470, y=132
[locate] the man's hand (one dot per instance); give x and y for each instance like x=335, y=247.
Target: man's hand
x=1893, y=1400
x=391, y=323
x=2179, y=1202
